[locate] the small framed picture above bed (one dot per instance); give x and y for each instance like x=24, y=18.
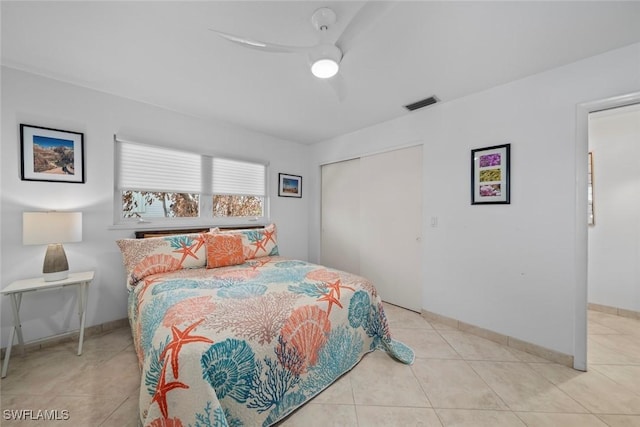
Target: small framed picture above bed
x=490, y=169
x=289, y=185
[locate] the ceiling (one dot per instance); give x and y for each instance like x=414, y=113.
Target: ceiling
x=163, y=53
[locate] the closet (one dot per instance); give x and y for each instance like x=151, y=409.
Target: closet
x=371, y=219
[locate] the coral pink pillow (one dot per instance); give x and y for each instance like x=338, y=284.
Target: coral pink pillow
x=224, y=250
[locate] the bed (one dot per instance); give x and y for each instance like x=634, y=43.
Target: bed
x=229, y=333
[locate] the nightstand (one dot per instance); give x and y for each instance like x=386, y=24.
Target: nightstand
x=19, y=287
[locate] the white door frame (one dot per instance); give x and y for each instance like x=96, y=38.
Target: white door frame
x=581, y=256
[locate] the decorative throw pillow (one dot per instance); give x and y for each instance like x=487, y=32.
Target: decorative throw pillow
x=144, y=257
x=258, y=242
x=224, y=250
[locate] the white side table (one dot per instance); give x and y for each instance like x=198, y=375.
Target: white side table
x=19, y=287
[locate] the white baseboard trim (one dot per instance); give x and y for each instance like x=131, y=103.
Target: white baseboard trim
x=527, y=347
x=68, y=336
x=622, y=312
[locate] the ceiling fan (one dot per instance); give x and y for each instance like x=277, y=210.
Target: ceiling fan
x=325, y=58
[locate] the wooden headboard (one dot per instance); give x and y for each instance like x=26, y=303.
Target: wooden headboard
x=144, y=234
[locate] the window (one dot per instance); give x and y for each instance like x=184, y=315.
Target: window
x=238, y=188
x=155, y=183
x=154, y=204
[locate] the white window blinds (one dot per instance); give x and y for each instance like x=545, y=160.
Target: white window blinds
x=149, y=168
x=236, y=177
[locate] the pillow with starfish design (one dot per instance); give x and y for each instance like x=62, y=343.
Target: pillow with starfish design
x=144, y=257
x=257, y=243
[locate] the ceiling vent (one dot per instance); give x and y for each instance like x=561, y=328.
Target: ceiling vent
x=421, y=104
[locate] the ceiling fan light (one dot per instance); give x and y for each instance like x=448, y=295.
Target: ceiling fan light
x=324, y=68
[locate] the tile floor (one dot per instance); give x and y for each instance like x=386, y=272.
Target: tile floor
x=457, y=380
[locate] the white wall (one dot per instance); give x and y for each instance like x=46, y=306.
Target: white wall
x=507, y=268
x=30, y=99
x=614, y=240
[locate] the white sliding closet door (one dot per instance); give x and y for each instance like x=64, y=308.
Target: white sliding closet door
x=391, y=225
x=372, y=222
x=340, y=245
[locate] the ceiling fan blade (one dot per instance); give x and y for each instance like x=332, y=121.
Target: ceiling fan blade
x=339, y=86
x=259, y=45
x=368, y=14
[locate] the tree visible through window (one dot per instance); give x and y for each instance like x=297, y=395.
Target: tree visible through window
x=145, y=204
x=225, y=206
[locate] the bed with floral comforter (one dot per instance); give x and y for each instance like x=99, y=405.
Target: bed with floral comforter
x=248, y=343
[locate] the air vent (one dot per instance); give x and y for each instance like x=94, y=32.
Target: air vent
x=421, y=104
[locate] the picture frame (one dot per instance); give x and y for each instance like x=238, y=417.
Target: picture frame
x=490, y=175
x=289, y=185
x=51, y=155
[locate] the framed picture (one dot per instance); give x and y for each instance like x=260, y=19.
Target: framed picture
x=490, y=175
x=51, y=155
x=289, y=185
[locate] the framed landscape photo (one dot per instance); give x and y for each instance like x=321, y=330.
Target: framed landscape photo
x=490, y=175
x=51, y=155
x=289, y=185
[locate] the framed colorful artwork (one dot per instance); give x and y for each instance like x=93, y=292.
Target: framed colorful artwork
x=490, y=175
x=51, y=155
x=289, y=185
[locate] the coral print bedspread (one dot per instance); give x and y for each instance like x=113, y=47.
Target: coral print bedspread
x=246, y=344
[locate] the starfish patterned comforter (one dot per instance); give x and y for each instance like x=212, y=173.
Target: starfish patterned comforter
x=245, y=345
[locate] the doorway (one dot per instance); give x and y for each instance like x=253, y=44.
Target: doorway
x=614, y=236
x=582, y=149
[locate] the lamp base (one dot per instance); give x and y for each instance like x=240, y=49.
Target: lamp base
x=55, y=265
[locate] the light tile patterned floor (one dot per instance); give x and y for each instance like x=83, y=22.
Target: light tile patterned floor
x=457, y=380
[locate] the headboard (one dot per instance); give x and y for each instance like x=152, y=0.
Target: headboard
x=144, y=234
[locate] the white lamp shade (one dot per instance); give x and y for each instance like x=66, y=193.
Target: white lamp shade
x=40, y=228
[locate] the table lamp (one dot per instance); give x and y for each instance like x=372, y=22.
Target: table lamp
x=53, y=229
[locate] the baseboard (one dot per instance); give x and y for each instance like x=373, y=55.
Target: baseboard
x=67, y=337
x=527, y=347
x=622, y=312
